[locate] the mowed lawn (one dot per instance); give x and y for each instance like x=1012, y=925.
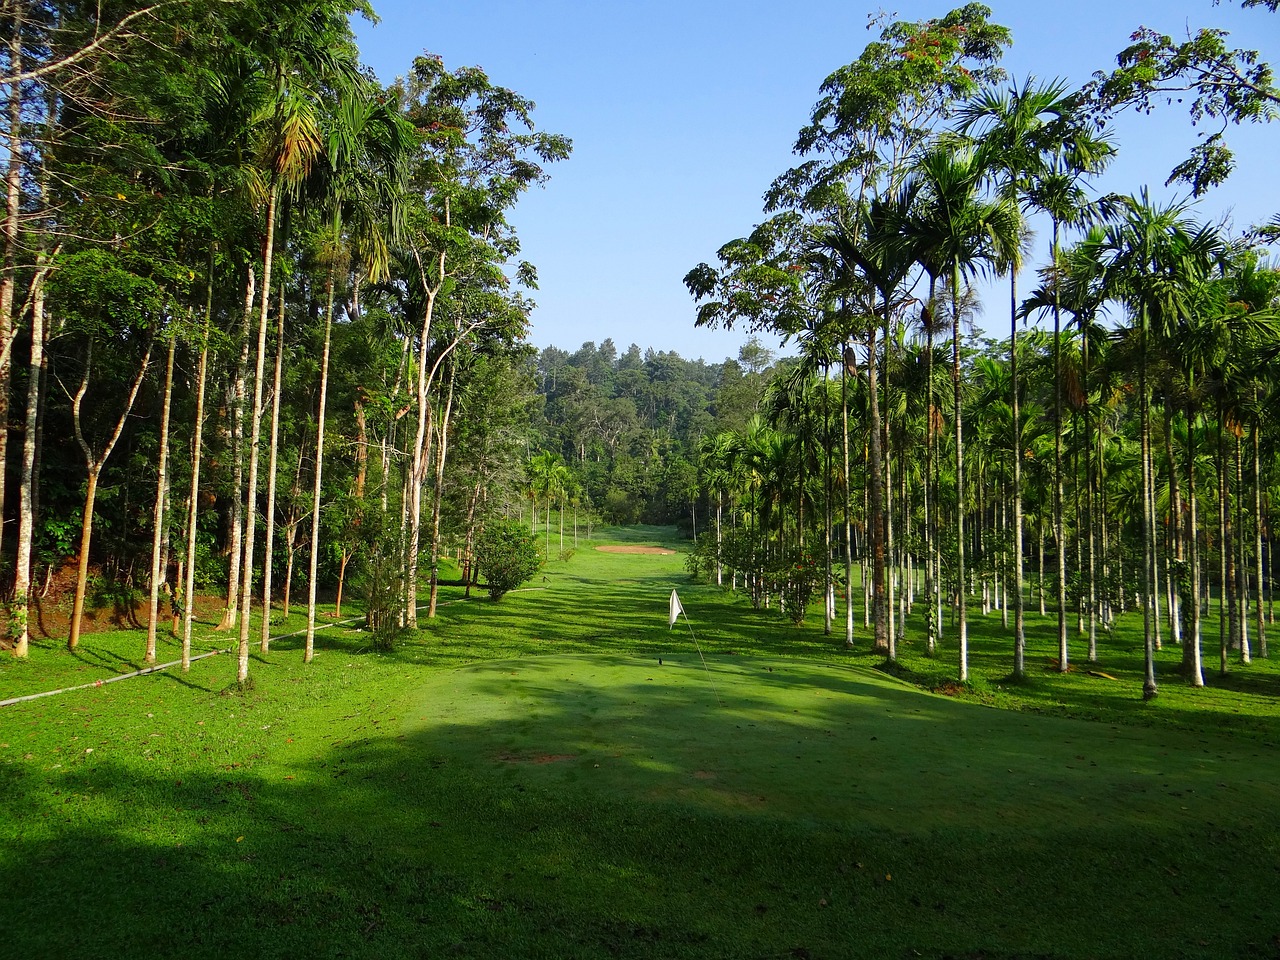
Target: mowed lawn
x=560, y=775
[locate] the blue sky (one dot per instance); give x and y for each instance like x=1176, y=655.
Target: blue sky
x=681, y=115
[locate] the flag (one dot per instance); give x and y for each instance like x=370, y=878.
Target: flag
x=676, y=610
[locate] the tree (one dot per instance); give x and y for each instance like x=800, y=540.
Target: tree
x=961, y=231
x=1225, y=86
x=506, y=556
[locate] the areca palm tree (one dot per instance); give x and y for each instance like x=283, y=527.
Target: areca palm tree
x=367, y=149
x=310, y=56
x=964, y=233
x=1030, y=130
x=1155, y=262
x=870, y=253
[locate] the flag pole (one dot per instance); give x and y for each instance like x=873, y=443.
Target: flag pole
x=677, y=609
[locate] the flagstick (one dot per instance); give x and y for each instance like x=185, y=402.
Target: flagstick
x=700, y=656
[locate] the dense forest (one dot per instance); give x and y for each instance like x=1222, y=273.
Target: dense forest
x=264, y=327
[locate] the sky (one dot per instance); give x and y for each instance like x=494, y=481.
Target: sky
x=682, y=114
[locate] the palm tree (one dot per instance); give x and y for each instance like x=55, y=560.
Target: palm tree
x=368, y=147
x=1155, y=261
x=871, y=258
x=1026, y=129
x=959, y=230
x=311, y=57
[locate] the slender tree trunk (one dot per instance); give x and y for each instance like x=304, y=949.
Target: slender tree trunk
x=962, y=624
x=94, y=465
x=1224, y=545
x=877, y=527
x=26, y=501
x=437, y=494
x=1090, y=500
x=193, y=502
x=273, y=461
x=314, y=559
x=9, y=238
x=1019, y=619
x=1059, y=537
x=1241, y=579
x=255, y=437
x=1195, y=665
x=158, y=514
x=231, y=611
x=1259, y=627
x=848, y=503
x=1149, y=613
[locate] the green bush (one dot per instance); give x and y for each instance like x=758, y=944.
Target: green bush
x=507, y=555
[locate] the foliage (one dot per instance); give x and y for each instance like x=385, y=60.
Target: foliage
x=507, y=555
x=1224, y=87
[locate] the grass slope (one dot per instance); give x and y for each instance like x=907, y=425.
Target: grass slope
x=525, y=779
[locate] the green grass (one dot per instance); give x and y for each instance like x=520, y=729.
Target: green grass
x=524, y=779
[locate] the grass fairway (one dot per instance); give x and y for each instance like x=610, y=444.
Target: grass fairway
x=526, y=780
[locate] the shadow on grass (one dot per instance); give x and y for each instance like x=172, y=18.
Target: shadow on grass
x=607, y=806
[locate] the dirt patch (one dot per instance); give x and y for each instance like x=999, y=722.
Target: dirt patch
x=628, y=548
x=537, y=757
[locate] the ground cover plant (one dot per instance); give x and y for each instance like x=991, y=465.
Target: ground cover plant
x=559, y=775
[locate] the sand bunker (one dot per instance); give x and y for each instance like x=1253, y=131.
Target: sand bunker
x=626, y=548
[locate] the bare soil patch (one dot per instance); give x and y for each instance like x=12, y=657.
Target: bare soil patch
x=632, y=548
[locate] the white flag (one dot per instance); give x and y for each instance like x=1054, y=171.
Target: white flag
x=676, y=610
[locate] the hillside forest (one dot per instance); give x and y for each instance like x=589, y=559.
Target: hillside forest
x=264, y=336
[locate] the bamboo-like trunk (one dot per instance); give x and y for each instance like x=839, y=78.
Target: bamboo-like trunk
x=158, y=513
x=1195, y=664
x=1059, y=533
x=1259, y=627
x=255, y=437
x=1149, y=612
x=848, y=508
x=961, y=613
x=437, y=494
x=26, y=499
x=273, y=460
x=193, y=502
x=1241, y=580
x=9, y=233
x=238, y=393
x=313, y=560
x=1224, y=546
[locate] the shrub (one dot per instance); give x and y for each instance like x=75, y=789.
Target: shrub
x=506, y=555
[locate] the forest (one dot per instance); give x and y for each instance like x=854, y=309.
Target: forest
x=278, y=315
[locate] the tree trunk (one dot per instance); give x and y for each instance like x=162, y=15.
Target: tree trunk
x=238, y=392
x=26, y=500
x=848, y=507
x=193, y=503
x=961, y=586
x=437, y=497
x=9, y=257
x=1149, y=613
x=158, y=514
x=1258, y=625
x=273, y=462
x=94, y=464
x=1019, y=612
x=309, y=649
x=875, y=493
x=255, y=437
x=1241, y=580
x=1192, y=658
x=1059, y=537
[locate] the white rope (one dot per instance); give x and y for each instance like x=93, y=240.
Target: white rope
x=112, y=679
